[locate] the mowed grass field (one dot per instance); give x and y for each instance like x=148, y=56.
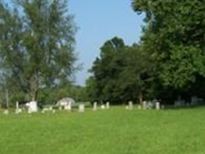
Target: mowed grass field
x=114, y=131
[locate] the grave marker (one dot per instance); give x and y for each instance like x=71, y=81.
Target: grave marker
x=95, y=106
x=130, y=105
x=107, y=105
x=157, y=105
x=81, y=108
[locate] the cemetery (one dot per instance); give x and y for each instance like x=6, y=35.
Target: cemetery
x=114, y=131
x=102, y=77
x=72, y=127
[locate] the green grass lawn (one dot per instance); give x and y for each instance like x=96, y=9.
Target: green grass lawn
x=115, y=131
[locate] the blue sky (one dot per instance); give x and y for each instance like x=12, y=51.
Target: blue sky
x=99, y=21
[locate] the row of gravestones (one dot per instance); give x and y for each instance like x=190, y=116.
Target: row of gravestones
x=192, y=102
x=33, y=108
x=145, y=105
x=106, y=106
x=81, y=108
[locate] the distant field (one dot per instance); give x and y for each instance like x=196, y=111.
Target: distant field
x=115, y=131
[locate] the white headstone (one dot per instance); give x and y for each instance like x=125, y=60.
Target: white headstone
x=81, y=108
x=102, y=106
x=157, y=105
x=6, y=112
x=47, y=109
x=65, y=103
x=18, y=110
x=95, y=106
x=32, y=107
x=130, y=104
x=17, y=105
x=68, y=107
x=150, y=105
x=144, y=105
x=139, y=107
x=53, y=111
x=107, y=105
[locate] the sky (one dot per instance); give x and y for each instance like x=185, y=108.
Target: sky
x=99, y=21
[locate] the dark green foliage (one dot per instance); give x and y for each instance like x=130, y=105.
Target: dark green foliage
x=168, y=62
x=52, y=95
x=175, y=34
x=120, y=74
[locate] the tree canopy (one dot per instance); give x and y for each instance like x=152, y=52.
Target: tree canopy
x=120, y=73
x=37, y=45
x=169, y=60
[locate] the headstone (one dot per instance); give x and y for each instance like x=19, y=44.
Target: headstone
x=65, y=103
x=157, y=105
x=6, y=112
x=144, y=105
x=32, y=107
x=53, y=111
x=102, y=106
x=179, y=102
x=68, y=107
x=149, y=105
x=194, y=100
x=47, y=109
x=139, y=107
x=95, y=106
x=107, y=105
x=81, y=108
x=18, y=110
x=130, y=104
x=17, y=105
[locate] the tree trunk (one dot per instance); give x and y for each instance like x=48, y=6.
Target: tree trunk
x=33, y=88
x=34, y=95
x=7, y=98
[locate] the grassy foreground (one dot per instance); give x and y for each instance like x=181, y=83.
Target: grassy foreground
x=115, y=131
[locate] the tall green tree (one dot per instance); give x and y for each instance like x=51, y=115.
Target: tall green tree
x=37, y=49
x=121, y=73
x=106, y=70
x=137, y=74
x=174, y=34
x=11, y=55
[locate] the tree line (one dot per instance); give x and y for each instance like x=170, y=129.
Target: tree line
x=37, y=58
x=168, y=62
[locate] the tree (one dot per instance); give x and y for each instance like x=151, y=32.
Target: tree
x=122, y=73
x=10, y=55
x=137, y=74
x=104, y=78
x=174, y=34
x=37, y=49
